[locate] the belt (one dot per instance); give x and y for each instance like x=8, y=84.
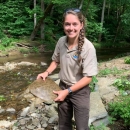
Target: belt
x=64, y=84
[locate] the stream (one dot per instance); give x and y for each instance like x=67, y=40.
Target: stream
x=14, y=82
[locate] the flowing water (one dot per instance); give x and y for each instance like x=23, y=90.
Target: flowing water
x=13, y=82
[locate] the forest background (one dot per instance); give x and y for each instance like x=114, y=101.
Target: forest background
x=107, y=21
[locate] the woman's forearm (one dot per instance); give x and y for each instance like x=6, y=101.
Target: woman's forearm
x=81, y=83
x=52, y=67
x=49, y=70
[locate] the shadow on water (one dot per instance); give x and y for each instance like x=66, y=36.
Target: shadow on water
x=14, y=82
x=107, y=54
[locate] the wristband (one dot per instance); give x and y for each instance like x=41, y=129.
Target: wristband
x=70, y=91
x=47, y=72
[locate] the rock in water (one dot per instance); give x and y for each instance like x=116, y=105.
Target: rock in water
x=43, y=90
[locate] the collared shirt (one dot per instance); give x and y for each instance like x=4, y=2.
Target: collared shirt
x=71, y=70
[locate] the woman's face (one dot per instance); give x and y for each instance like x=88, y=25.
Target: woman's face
x=72, y=26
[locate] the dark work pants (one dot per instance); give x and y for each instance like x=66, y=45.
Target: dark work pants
x=77, y=103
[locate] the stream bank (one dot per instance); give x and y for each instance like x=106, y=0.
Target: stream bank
x=14, y=81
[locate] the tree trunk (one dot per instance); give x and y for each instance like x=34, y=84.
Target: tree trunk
x=43, y=24
x=102, y=20
x=81, y=4
x=48, y=9
x=35, y=15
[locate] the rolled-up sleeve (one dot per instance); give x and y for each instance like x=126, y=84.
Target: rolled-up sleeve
x=89, y=63
x=56, y=54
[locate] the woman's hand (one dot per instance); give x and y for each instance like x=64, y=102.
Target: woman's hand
x=61, y=95
x=42, y=75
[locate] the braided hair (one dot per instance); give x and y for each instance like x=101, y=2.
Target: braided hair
x=82, y=31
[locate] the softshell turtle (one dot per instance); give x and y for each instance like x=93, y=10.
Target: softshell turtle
x=43, y=90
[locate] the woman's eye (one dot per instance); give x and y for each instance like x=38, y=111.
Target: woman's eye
x=66, y=24
x=75, y=24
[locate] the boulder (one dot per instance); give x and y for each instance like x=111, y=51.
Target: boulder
x=42, y=89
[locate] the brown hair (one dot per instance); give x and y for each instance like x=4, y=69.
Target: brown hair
x=82, y=31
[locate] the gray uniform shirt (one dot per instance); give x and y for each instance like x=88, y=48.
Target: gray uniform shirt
x=71, y=71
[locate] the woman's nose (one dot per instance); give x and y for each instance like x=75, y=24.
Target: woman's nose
x=71, y=27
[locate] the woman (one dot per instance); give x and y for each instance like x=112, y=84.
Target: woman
x=78, y=63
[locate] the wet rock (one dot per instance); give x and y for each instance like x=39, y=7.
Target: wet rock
x=38, y=119
x=30, y=127
x=11, y=65
x=43, y=64
x=97, y=109
x=40, y=129
x=54, y=77
x=3, y=129
x=2, y=111
x=35, y=122
x=5, y=124
x=105, y=121
x=24, y=63
x=22, y=122
x=35, y=115
x=53, y=119
x=43, y=90
x=11, y=110
x=25, y=111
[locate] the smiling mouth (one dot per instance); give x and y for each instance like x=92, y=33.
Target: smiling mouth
x=71, y=33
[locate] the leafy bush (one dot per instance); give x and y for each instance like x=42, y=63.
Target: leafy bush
x=109, y=71
x=93, y=83
x=127, y=60
x=100, y=127
x=6, y=41
x=1, y=33
x=35, y=49
x=93, y=29
x=15, y=19
x=122, y=84
x=121, y=109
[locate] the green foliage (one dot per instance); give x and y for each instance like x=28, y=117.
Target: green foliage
x=24, y=51
x=125, y=18
x=127, y=60
x=2, y=48
x=5, y=43
x=93, y=83
x=122, y=84
x=109, y=71
x=1, y=34
x=2, y=98
x=100, y=127
x=14, y=18
x=17, y=20
x=93, y=30
x=111, y=120
x=121, y=109
x=35, y=49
